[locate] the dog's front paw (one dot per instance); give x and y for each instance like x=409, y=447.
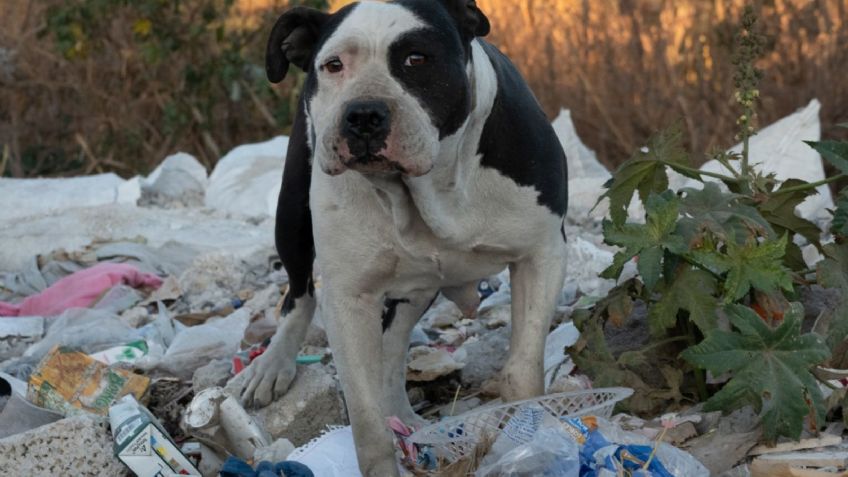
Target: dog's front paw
x=268, y=377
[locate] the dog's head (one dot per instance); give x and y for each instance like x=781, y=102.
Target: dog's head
x=386, y=81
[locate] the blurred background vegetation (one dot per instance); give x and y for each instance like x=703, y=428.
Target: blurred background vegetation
x=116, y=85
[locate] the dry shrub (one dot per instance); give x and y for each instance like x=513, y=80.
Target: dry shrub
x=629, y=67
x=96, y=85
x=624, y=67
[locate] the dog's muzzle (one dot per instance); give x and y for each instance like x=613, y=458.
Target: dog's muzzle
x=365, y=127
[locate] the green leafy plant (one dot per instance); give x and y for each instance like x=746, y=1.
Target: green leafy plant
x=770, y=366
x=717, y=266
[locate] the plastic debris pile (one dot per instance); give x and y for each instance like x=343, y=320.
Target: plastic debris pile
x=129, y=309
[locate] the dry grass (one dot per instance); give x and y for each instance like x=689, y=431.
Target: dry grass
x=109, y=107
x=628, y=67
x=624, y=67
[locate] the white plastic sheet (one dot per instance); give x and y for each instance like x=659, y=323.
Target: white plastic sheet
x=331, y=455
x=780, y=149
x=30, y=197
x=247, y=180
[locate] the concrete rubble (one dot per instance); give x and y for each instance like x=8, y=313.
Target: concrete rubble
x=80, y=445
x=311, y=404
x=210, y=238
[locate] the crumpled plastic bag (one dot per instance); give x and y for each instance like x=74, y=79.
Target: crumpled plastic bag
x=532, y=443
x=550, y=453
x=194, y=346
x=86, y=329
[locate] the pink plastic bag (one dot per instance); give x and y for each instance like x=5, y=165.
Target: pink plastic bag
x=80, y=290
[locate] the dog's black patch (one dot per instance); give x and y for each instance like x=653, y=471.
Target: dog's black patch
x=389, y=310
x=519, y=141
x=293, y=231
x=289, y=301
x=440, y=84
x=296, y=37
x=310, y=86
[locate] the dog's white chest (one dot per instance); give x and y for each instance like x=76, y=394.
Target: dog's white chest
x=424, y=234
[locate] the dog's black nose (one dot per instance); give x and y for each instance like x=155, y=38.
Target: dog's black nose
x=367, y=120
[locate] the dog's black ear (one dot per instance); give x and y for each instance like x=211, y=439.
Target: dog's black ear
x=471, y=21
x=292, y=40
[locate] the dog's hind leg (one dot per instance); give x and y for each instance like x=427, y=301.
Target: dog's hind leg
x=536, y=285
x=271, y=374
x=399, y=317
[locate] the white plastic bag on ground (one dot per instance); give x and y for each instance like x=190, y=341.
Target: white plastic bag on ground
x=197, y=345
x=247, y=180
x=87, y=329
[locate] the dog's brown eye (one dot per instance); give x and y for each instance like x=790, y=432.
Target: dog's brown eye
x=415, y=59
x=333, y=66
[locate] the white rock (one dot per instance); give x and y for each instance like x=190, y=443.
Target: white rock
x=33, y=197
x=780, y=149
x=247, y=180
x=179, y=174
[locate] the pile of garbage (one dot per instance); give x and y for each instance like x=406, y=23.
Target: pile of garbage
x=130, y=308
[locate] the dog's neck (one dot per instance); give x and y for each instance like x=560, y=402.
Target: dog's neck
x=439, y=197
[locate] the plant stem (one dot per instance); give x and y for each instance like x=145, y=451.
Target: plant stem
x=654, y=450
x=664, y=342
x=812, y=185
x=700, y=378
x=746, y=171
x=692, y=170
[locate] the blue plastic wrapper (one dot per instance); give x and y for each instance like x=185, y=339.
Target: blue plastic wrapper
x=597, y=454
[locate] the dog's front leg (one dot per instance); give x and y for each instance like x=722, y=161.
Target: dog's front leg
x=354, y=327
x=536, y=285
x=271, y=374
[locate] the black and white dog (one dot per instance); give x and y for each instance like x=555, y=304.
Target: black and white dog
x=419, y=161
